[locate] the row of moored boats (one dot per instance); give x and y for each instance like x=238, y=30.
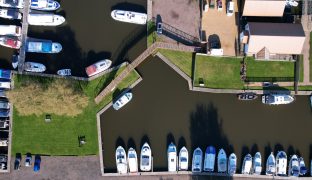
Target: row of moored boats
x=128, y=163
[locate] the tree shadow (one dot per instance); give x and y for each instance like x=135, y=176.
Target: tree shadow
x=120, y=142
x=131, y=144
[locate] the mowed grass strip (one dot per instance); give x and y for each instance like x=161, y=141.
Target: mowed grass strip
x=218, y=72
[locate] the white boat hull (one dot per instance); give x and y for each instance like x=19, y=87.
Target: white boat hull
x=10, y=14
x=132, y=161
x=121, y=160
x=98, y=67
x=146, y=158
x=222, y=161
x=197, y=160
x=183, y=159
x=122, y=101
x=10, y=30
x=45, y=19
x=172, y=158
x=34, y=67
x=129, y=16
x=271, y=165
x=281, y=163
x=44, y=5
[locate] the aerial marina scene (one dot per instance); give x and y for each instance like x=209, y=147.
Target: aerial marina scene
x=155, y=89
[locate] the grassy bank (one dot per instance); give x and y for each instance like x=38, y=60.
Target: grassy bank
x=60, y=136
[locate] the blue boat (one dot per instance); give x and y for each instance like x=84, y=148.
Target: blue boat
x=197, y=160
x=210, y=157
x=303, y=168
x=5, y=74
x=44, y=5
x=42, y=46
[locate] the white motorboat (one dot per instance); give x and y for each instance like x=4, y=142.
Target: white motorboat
x=183, y=159
x=247, y=164
x=10, y=30
x=146, y=158
x=257, y=163
x=172, y=157
x=293, y=168
x=11, y=3
x=98, y=67
x=292, y=3
x=210, y=158
x=222, y=161
x=277, y=99
x=121, y=160
x=34, y=67
x=281, y=163
x=129, y=16
x=9, y=13
x=39, y=19
x=132, y=160
x=232, y=164
x=270, y=165
x=10, y=42
x=197, y=160
x=44, y=5
x=42, y=46
x=123, y=100
x=302, y=167
x=64, y=72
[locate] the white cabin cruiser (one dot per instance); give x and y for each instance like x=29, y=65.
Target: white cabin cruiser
x=270, y=165
x=277, y=99
x=146, y=158
x=210, y=158
x=222, y=161
x=172, y=157
x=44, y=5
x=42, y=46
x=197, y=160
x=9, y=13
x=10, y=30
x=123, y=100
x=121, y=160
x=34, y=67
x=64, y=72
x=12, y=3
x=281, y=163
x=257, y=163
x=232, y=164
x=293, y=168
x=132, y=160
x=183, y=159
x=129, y=16
x=247, y=164
x=39, y=19
x=98, y=67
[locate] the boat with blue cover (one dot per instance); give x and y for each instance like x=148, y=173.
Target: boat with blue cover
x=172, y=157
x=210, y=157
x=5, y=74
x=197, y=160
x=222, y=161
x=270, y=165
x=257, y=163
x=10, y=13
x=11, y=3
x=281, y=163
x=303, y=169
x=44, y=5
x=232, y=164
x=293, y=166
x=42, y=46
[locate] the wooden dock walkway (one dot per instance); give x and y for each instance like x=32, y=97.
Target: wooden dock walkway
x=22, y=52
x=138, y=61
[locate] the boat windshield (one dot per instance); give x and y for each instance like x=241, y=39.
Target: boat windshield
x=183, y=159
x=131, y=156
x=11, y=2
x=120, y=157
x=145, y=160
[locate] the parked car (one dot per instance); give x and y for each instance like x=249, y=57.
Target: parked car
x=37, y=163
x=17, y=163
x=159, y=28
x=230, y=8
x=219, y=4
x=28, y=160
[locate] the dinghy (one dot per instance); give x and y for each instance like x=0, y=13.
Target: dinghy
x=210, y=156
x=222, y=161
x=121, y=160
x=247, y=164
x=183, y=159
x=98, y=67
x=44, y=5
x=132, y=161
x=302, y=168
x=197, y=160
x=129, y=16
x=257, y=163
x=293, y=168
x=64, y=72
x=232, y=164
x=281, y=163
x=34, y=67
x=146, y=158
x=270, y=165
x=172, y=157
x=9, y=13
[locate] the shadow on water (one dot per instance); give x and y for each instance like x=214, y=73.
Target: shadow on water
x=245, y=151
x=145, y=139
x=131, y=144
x=267, y=151
x=277, y=148
x=170, y=139
x=290, y=151
x=254, y=149
x=129, y=7
x=120, y=142
x=181, y=143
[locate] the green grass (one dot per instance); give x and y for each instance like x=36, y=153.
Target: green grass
x=183, y=60
x=151, y=33
x=218, y=72
x=60, y=136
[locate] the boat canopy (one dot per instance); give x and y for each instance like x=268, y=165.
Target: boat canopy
x=12, y=2
x=40, y=46
x=11, y=12
x=145, y=160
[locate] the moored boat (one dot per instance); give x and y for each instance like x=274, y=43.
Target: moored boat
x=293, y=168
x=222, y=161
x=270, y=165
x=12, y=3
x=311, y=101
x=172, y=157
x=42, y=46
x=210, y=156
x=121, y=160
x=132, y=160
x=146, y=158
x=197, y=160
x=39, y=19
x=247, y=164
x=123, y=100
x=44, y=5
x=247, y=96
x=129, y=16
x=64, y=72
x=232, y=164
x=10, y=30
x=98, y=67
x=183, y=159
x=277, y=99
x=257, y=163
x=302, y=167
x=9, y=13
x=10, y=42
x=281, y=163
x=34, y=67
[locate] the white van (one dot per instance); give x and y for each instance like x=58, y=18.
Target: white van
x=230, y=8
x=5, y=85
x=10, y=30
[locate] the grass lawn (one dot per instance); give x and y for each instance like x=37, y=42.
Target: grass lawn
x=218, y=72
x=183, y=60
x=60, y=136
